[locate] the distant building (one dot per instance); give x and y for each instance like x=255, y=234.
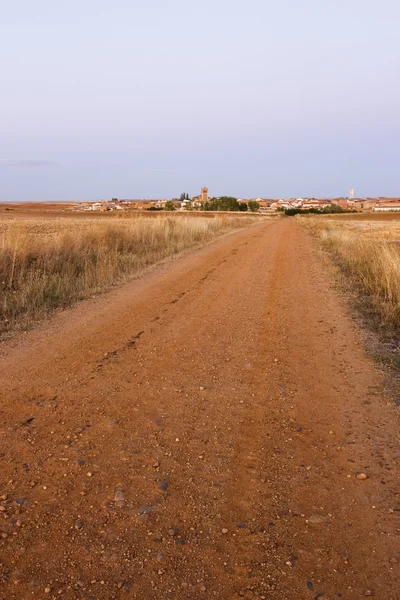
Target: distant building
x=368, y=204
x=204, y=194
x=202, y=198
x=185, y=204
x=342, y=202
x=389, y=207
x=317, y=204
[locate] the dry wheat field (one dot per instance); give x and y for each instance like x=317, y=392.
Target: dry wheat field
x=51, y=263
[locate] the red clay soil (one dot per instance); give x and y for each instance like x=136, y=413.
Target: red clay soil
x=197, y=433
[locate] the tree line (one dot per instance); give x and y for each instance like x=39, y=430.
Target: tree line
x=229, y=203
x=327, y=210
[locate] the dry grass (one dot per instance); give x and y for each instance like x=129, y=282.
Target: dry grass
x=369, y=252
x=48, y=264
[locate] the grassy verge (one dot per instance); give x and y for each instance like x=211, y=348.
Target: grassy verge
x=366, y=261
x=369, y=255
x=49, y=264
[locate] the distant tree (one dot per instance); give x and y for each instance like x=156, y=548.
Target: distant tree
x=243, y=207
x=169, y=205
x=114, y=199
x=291, y=212
x=254, y=205
x=333, y=208
x=228, y=203
x=223, y=203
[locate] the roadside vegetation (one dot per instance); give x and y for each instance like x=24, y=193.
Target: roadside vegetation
x=46, y=264
x=369, y=254
x=327, y=210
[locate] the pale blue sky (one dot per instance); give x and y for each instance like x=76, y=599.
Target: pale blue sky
x=149, y=99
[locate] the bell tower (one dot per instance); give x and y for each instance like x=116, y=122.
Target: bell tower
x=204, y=194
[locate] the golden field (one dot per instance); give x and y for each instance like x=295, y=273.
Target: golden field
x=50, y=263
x=368, y=249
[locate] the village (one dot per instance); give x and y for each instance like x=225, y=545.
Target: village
x=262, y=205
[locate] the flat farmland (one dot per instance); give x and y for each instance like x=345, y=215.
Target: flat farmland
x=51, y=262
x=65, y=210
x=212, y=429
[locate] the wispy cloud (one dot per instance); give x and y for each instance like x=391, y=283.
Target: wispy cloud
x=28, y=163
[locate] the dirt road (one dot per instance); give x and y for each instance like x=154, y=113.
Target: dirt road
x=197, y=434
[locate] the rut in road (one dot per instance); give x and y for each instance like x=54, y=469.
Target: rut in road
x=197, y=434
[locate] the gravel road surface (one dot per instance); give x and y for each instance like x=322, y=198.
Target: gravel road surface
x=212, y=429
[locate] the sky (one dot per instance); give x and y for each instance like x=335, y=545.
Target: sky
x=133, y=99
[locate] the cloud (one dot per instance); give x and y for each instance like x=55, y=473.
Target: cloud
x=28, y=163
